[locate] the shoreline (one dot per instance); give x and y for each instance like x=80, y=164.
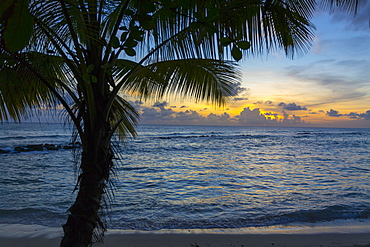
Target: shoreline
x=17, y=235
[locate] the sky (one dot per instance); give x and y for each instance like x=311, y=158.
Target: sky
x=327, y=87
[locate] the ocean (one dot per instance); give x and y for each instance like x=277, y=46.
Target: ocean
x=195, y=177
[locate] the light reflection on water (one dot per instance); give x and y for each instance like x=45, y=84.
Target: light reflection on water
x=240, y=176
x=204, y=177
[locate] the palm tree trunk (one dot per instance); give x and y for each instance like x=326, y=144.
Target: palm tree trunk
x=96, y=163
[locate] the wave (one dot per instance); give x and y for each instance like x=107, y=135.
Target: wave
x=32, y=137
x=341, y=133
x=198, y=215
x=163, y=221
x=35, y=148
x=244, y=136
x=32, y=216
x=126, y=220
x=330, y=213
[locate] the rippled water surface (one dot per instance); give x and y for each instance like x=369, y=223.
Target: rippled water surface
x=197, y=177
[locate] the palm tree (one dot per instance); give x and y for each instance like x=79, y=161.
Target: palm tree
x=89, y=55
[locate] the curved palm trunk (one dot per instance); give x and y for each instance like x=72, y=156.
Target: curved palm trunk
x=95, y=165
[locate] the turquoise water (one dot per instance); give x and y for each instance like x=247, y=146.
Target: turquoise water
x=180, y=177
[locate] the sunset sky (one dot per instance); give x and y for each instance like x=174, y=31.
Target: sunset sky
x=328, y=87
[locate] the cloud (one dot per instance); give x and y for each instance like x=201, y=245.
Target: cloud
x=240, y=98
x=271, y=116
x=240, y=90
x=255, y=117
x=293, y=120
x=241, y=94
x=292, y=107
x=160, y=113
x=163, y=113
x=188, y=116
x=160, y=105
x=334, y=81
x=249, y=116
x=352, y=115
x=365, y=115
x=221, y=117
x=333, y=113
x=358, y=22
x=267, y=102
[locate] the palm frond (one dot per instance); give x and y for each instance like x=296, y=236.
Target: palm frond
x=351, y=6
x=124, y=118
x=195, y=31
x=200, y=79
x=21, y=92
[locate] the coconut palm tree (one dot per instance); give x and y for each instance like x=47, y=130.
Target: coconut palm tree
x=89, y=56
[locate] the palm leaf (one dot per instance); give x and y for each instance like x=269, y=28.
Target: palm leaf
x=124, y=118
x=200, y=79
x=21, y=92
x=268, y=26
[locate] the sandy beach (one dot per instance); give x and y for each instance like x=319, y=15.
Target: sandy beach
x=15, y=235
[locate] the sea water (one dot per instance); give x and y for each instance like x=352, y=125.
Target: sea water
x=195, y=177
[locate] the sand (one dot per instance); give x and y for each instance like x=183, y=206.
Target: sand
x=16, y=235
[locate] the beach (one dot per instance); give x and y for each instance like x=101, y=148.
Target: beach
x=16, y=235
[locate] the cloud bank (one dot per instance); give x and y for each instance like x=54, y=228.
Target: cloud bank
x=352, y=115
x=163, y=113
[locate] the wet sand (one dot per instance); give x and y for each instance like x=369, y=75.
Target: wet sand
x=16, y=235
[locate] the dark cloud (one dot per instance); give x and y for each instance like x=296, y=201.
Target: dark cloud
x=292, y=107
x=183, y=106
x=240, y=98
x=241, y=93
x=160, y=104
x=333, y=113
x=248, y=117
x=270, y=114
x=267, y=102
x=365, y=115
x=240, y=90
x=352, y=115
